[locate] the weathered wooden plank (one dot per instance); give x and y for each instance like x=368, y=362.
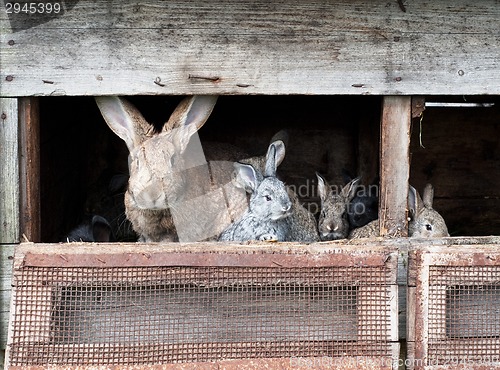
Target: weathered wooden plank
x=320, y=363
x=394, y=165
x=9, y=171
x=286, y=255
x=402, y=280
x=235, y=47
x=29, y=131
x=6, y=258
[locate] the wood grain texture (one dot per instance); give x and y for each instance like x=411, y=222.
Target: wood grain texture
x=9, y=171
x=6, y=258
x=394, y=165
x=29, y=124
x=254, y=47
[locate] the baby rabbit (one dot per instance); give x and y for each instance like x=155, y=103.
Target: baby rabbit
x=173, y=194
x=269, y=205
x=302, y=226
x=425, y=222
x=333, y=220
x=95, y=229
x=363, y=208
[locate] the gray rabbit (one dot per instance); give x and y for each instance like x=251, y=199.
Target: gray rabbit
x=333, y=222
x=270, y=205
x=425, y=221
x=301, y=224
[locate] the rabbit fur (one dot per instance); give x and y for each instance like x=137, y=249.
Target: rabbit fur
x=363, y=208
x=333, y=222
x=269, y=205
x=425, y=221
x=173, y=194
x=94, y=229
x=301, y=224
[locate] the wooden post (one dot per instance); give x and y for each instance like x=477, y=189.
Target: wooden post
x=29, y=132
x=394, y=165
x=9, y=171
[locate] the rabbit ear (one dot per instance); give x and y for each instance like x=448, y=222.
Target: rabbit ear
x=349, y=190
x=414, y=201
x=279, y=147
x=428, y=196
x=281, y=135
x=181, y=136
x=101, y=229
x=270, y=169
x=124, y=119
x=323, y=187
x=193, y=110
x=246, y=176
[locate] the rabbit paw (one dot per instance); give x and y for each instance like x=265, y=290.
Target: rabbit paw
x=268, y=238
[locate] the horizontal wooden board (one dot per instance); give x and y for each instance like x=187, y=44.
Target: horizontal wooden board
x=321, y=363
x=253, y=47
x=286, y=255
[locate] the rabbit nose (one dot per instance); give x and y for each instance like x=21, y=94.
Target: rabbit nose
x=151, y=197
x=328, y=227
x=287, y=207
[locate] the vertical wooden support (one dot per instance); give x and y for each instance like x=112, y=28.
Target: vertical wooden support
x=9, y=171
x=29, y=131
x=394, y=165
x=6, y=256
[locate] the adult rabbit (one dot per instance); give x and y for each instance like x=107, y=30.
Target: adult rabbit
x=173, y=194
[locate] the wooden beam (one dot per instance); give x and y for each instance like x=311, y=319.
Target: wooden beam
x=253, y=47
x=9, y=171
x=394, y=165
x=29, y=123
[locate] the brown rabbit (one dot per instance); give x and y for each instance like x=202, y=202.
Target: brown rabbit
x=425, y=221
x=173, y=193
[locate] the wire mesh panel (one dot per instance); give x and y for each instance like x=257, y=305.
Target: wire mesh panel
x=457, y=306
x=69, y=310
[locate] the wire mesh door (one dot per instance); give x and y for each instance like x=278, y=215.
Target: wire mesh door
x=192, y=306
x=456, y=310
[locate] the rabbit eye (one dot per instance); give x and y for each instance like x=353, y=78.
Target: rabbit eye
x=268, y=198
x=428, y=227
